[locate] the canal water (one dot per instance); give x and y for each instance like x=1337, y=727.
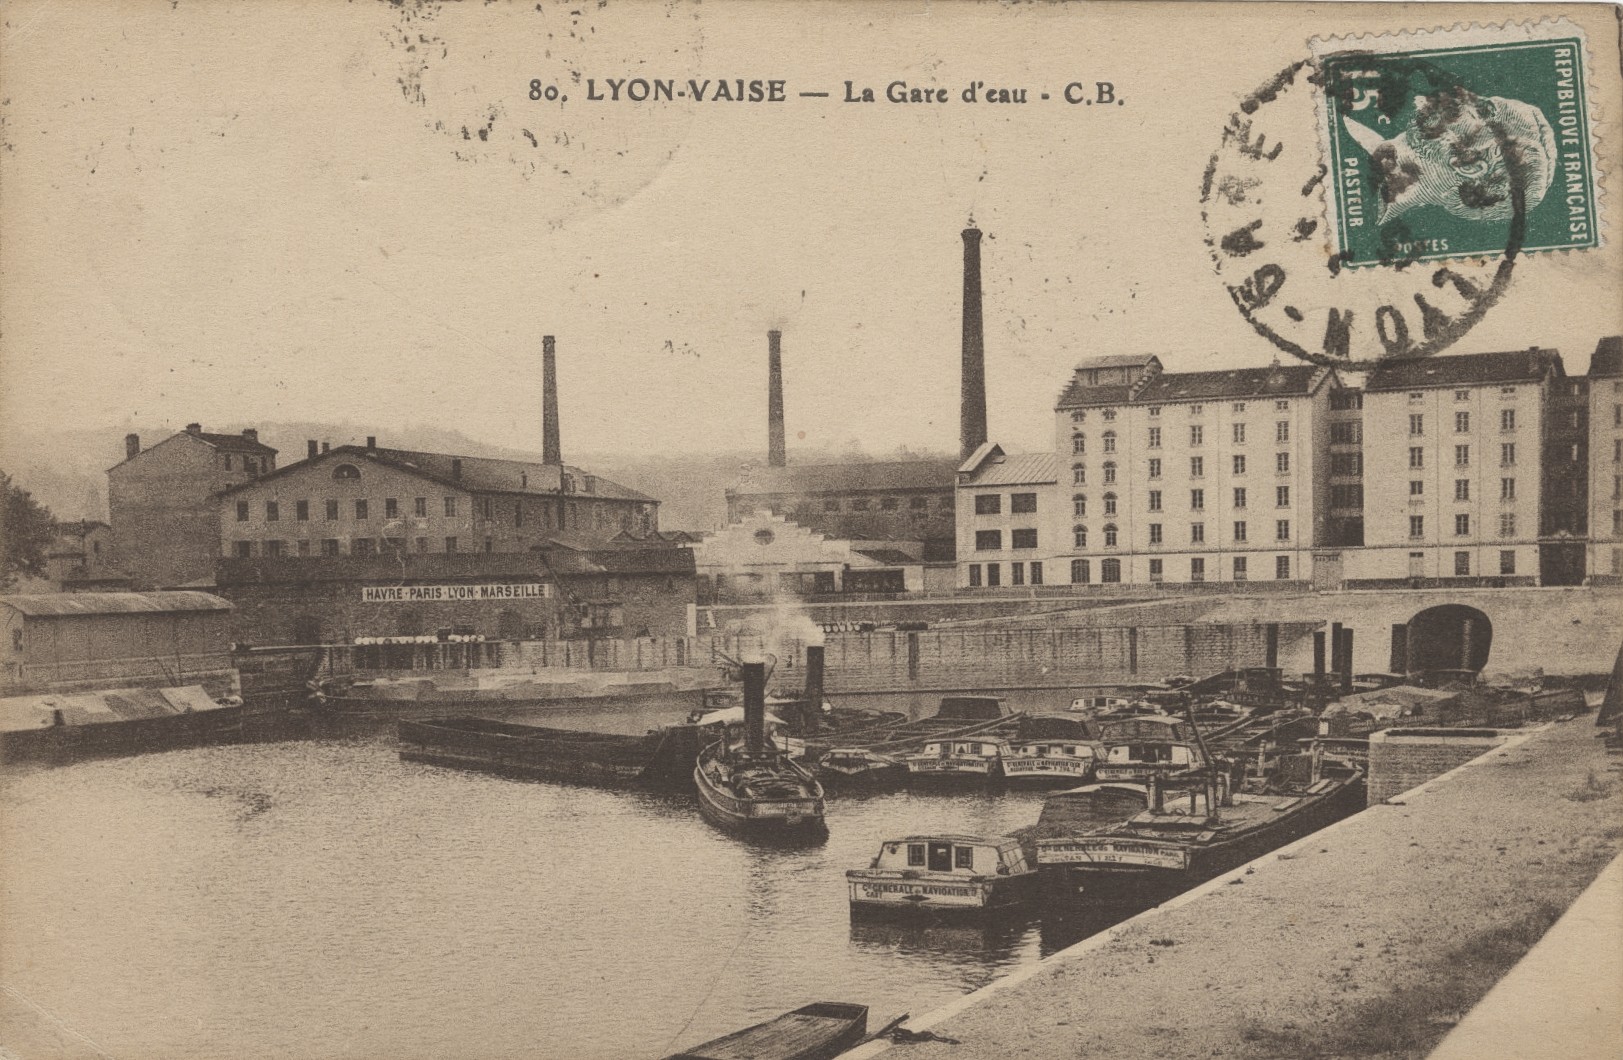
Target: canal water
x=321, y=898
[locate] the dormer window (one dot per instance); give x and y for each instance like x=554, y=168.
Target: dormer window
x=346, y=471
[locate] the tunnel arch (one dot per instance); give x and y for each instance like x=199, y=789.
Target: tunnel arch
x=1449, y=637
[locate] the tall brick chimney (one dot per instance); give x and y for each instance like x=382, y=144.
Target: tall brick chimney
x=972, y=396
x=310, y=449
x=551, y=446
x=132, y=445
x=775, y=454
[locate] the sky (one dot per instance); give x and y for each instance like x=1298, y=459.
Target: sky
x=354, y=212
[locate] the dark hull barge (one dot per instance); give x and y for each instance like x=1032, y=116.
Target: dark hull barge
x=812, y=1032
x=660, y=759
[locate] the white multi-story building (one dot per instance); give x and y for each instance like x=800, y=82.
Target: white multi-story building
x=1190, y=477
x=1606, y=461
x=1009, y=518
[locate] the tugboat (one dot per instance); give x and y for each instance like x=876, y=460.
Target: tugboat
x=945, y=873
x=750, y=786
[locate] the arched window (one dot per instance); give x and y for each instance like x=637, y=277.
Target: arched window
x=346, y=471
x=1079, y=505
x=1110, y=504
x=1110, y=535
x=1079, y=475
x=1079, y=416
x=1110, y=570
x=1110, y=472
x=1110, y=441
x=1079, y=534
x=1081, y=572
x=1079, y=443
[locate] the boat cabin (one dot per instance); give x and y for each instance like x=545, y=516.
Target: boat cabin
x=1160, y=728
x=972, y=708
x=1159, y=753
x=960, y=855
x=1096, y=704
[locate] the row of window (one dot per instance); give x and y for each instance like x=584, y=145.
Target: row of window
x=1462, y=455
x=992, y=503
x=1462, y=563
x=332, y=546
x=362, y=509
x=1197, y=467
x=1017, y=574
x=1197, y=533
x=886, y=504
x=1197, y=437
x=254, y=465
x=992, y=540
x=990, y=574
x=1462, y=525
x=1280, y=405
x=1462, y=489
x=1462, y=422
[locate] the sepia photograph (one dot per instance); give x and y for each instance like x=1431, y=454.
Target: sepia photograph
x=796, y=529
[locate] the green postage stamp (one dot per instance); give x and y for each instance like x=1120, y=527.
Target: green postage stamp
x=1457, y=143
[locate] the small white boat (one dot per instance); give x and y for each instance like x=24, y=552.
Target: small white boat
x=945, y=873
x=1068, y=762
x=1148, y=745
x=974, y=759
x=1092, y=705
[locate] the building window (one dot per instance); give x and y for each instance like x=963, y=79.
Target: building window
x=1282, y=568
x=1196, y=410
x=994, y=576
x=1197, y=500
x=228, y=462
x=1239, y=531
x=1239, y=568
x=1282, y=529
x=1507, y=524
x=1155, y=500
x=988, y=503
x=1238, y=406
x=1462, y=456
x=1507, y=419
x=419, y=507
x=1079, y=505
x=1342, y=400
x=1155, y=533
x=1462, y=395
x=1197, y=533
x=518, y=513
x=1025, y=539
x=1507, y=561
x=273, y=512
x=1282, y=431
x=1282, y=496
x=1197, y=467
x=1022, y=503
x=1109, y=414
x=1417, y=526
x=1110, y=472
x=329, y=546
x=1416, y=397
x=918, y=504
x=1155, y=410
x=304, y=546
x=422, y=544
x=1155, y=570
x=1110, y=535
x=273, y=548
x=450, y=506
x=1079, y=534
x=1197, y=569
x=391, y=508
x=1507, y=454
x=343, y=471
x=831, y=506
x=889, y=504
x=1110, y=441
x=1081, y=572
x=301, y=511
x=1345, y=434
x=1239, y=463
x=1197, y=435
x=1417, y=487
x=1239, y=496
x=1507, y=489
x=1079, y=475
x=1462, y=489
x=974, y=575
x=1462, y=422
x=1417, y=457
x=1462, y=524
x=1155, y=437
x=1036, y=572
x=1462, y=564
x=362, y=546
x=450, y=544
x=1417, y=423
x=1239, y=434
x=332, y=511
x=1079, y=443
x=1017, y=574
x=245, y=549
x=1346, y=463
x=1110, y=571
x=988, y=540
x=360, y=509
x=1079, y=417
x=242, y=511
x=1155, y=467
x=1110, y=504
x=1617, y=561
x=482, y=505
x=1282, y=462
x=1347, y=496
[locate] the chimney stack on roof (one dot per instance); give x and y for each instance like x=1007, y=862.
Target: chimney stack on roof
x=325, y=446
x=371, y=441
x=251, y=433
x=456, y=467
x=311, y=449
x=551, y=446
x=775, y=454
x=972, y=397
x=194, y=428
x=132, y=445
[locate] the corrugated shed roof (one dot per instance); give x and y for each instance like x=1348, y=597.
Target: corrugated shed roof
x=58, y=604
x=848, y=478
x=1608, y=358
x=1465, y=369
x=20, y=713
x=1021, y=469
x=1273, y=381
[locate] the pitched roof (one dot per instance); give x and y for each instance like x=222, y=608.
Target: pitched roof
x=478, y=474
x=1464, y=369
x=889, y=557
x=1021, y=469
x=1077, y=395
x=233, y=443
x=848, y=478
x=1115, y=360
x=56, y=604
x=1274, y=381
x=1608, y=358
x=419, y=567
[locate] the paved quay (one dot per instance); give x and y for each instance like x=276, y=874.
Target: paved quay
x=1372, y=938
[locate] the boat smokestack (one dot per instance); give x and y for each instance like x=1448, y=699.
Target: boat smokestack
x=813, y=708
x=551, y=445
x=972, y=397
x=1346, y=659
x=755, y=707
x=775, y=454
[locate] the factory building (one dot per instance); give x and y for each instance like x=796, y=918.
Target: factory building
x=1605, y=500
x=162, y=502
x=764, y=555
x=80, y=558
x=1011, y=521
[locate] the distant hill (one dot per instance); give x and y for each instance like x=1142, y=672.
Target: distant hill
x=66, y=470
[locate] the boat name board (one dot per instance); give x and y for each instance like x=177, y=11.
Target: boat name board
x=411, y=594
x=876, y=890
x=783, y=809
x=1111, y=852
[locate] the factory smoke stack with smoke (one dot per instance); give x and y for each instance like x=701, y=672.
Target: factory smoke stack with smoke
x=972, y=399
x=551, y=446
x=775, y=453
